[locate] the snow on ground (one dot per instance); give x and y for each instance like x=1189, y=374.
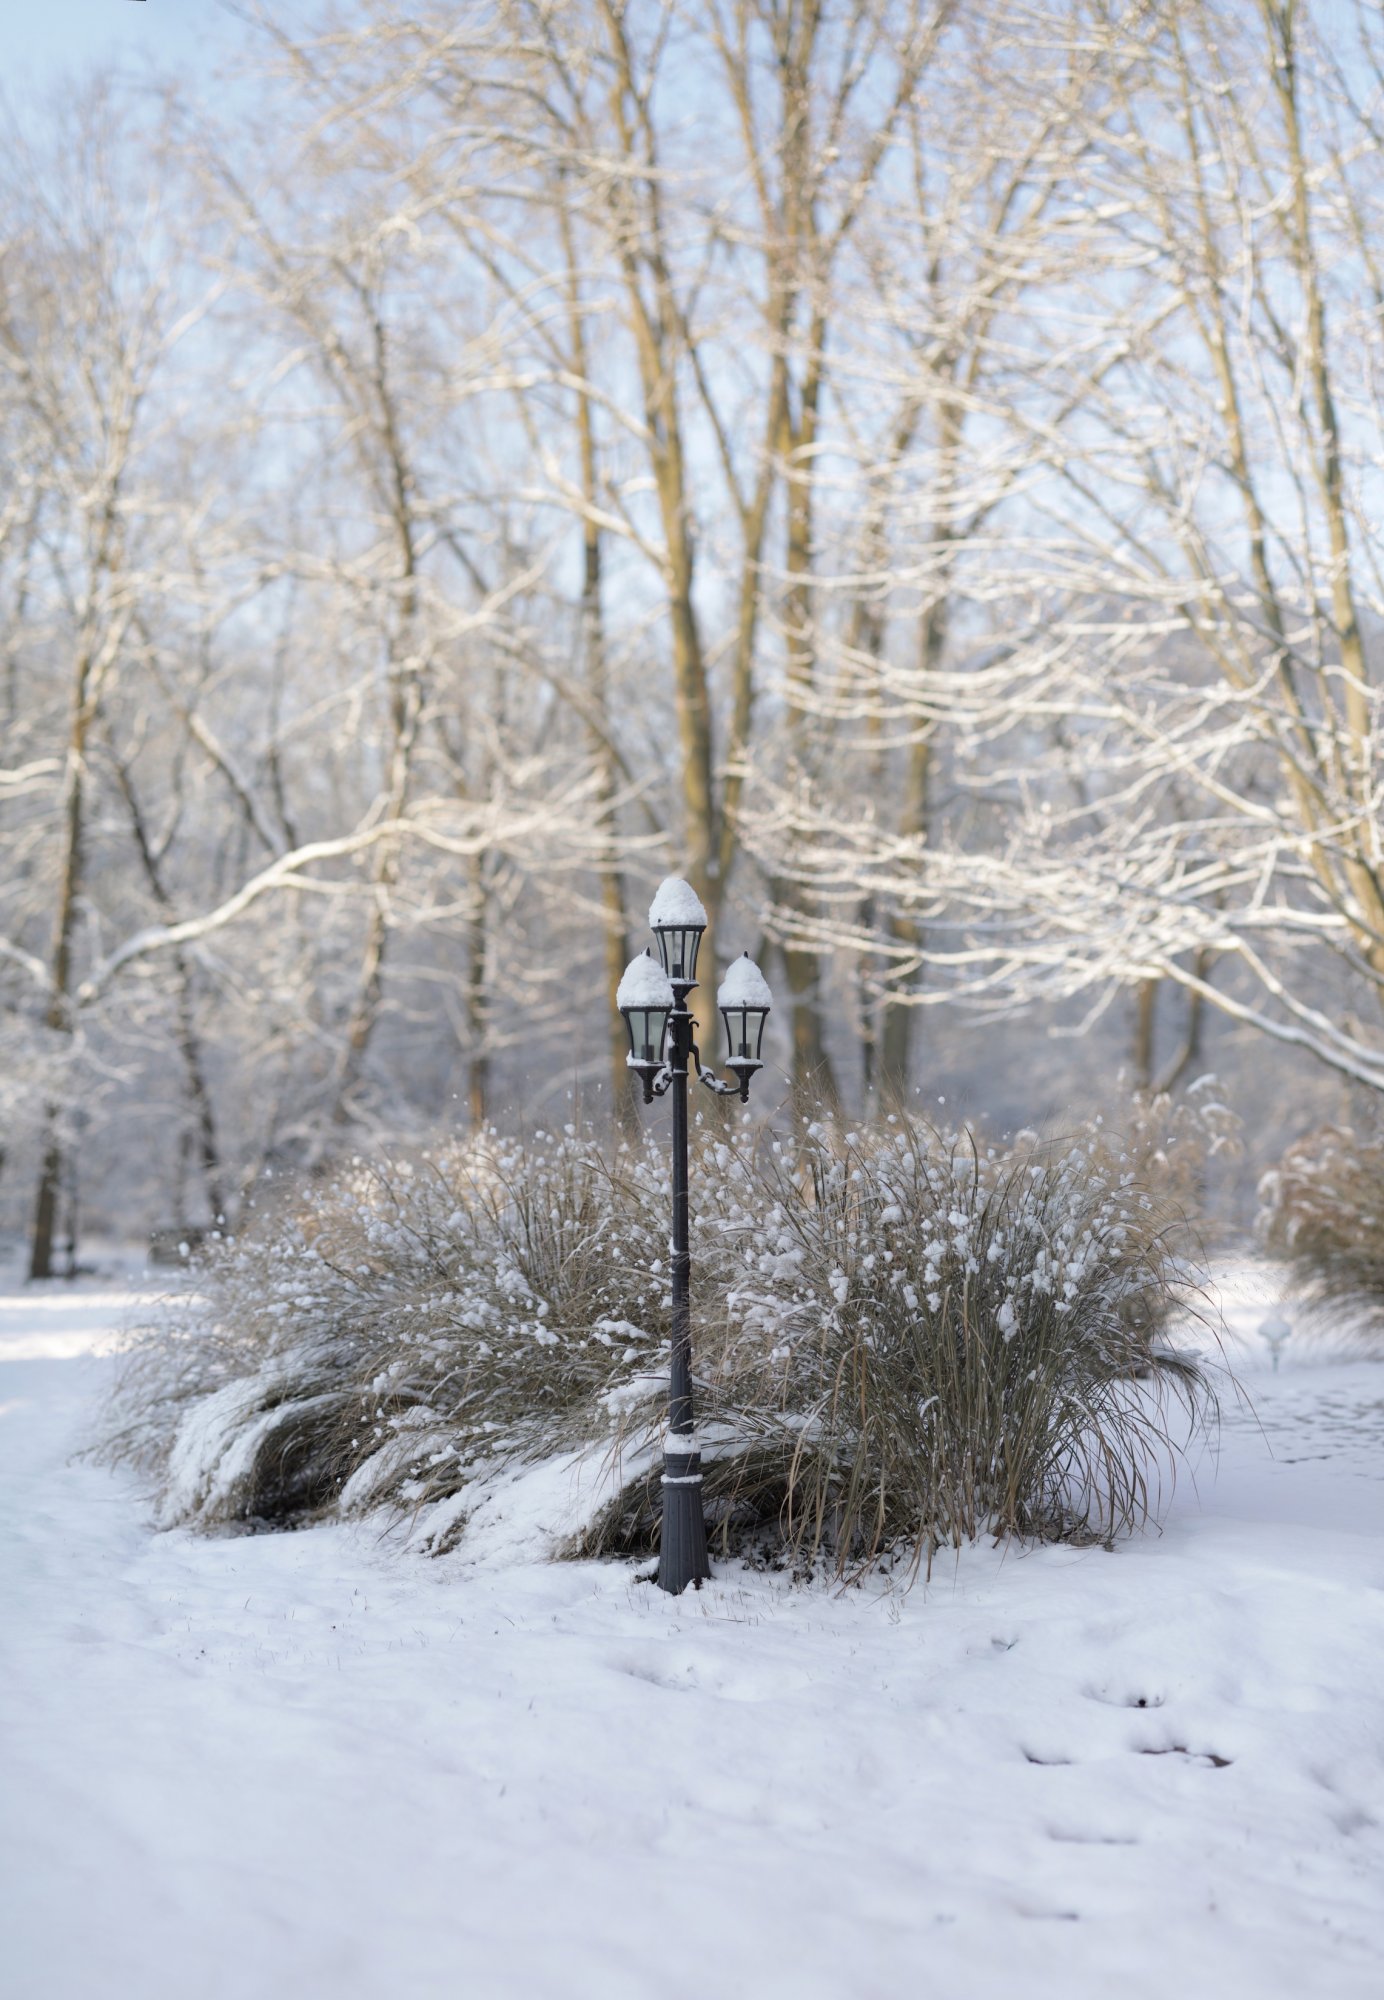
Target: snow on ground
x=315, y=1765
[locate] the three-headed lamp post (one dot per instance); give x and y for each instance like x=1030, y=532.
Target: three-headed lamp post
x=652, y=997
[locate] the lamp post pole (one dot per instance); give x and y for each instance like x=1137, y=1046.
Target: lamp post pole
x=682, y=1557
x=653, y=999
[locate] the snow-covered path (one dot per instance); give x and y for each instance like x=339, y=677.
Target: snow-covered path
x=312, y=1766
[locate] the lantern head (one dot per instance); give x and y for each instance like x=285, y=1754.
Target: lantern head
x=645, y=998
x=744, y=1001
x=677, y=920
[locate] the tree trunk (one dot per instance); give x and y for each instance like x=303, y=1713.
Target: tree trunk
x=615, y=929
x=1145, y=1012
x=46, y=1204
x=58, y=1018
x=478, y=1055
x=189, y=1042
x=405, y=710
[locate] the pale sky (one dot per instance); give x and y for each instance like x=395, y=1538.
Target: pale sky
x=40, y=39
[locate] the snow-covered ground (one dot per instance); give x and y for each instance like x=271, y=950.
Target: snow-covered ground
x=315, y=1765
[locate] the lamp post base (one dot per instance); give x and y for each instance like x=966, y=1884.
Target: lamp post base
x=682, y=1557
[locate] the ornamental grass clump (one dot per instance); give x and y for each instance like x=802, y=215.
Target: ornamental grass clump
x=379, y=1337
x=902, y=1341
x=924, y=1341
x=1322, y=1211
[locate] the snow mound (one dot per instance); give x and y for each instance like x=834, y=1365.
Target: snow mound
x=675, y=904
x=744, y=985
x=644, y=983
x=214, y=1468
x=531, y=1512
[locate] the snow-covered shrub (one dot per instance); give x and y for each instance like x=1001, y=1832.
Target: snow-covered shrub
x=1322, y=1210
x=379, y=1337
x=925, y=1340
x=1175, y=1144
x=901, y=1340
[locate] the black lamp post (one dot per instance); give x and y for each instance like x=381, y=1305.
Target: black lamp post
x=653, y=999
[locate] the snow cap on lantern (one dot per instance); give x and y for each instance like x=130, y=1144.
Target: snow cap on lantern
x=677, y=920
x=744, y=1000
x=645, y=998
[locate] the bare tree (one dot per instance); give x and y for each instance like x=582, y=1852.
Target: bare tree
x=1186, y=576
x=90, y=317
x=911, y=467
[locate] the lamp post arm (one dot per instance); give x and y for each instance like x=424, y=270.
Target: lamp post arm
x=715, y=1083
x=709, y=1077
x=744, y=1070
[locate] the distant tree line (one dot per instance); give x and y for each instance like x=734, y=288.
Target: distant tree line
x=913, y=467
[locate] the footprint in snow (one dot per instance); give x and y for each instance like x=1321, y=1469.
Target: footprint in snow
x=690, y=1676
x=1123, y=1697
x=659, y=1674
x=1210, y=1758
x=1349, y=1817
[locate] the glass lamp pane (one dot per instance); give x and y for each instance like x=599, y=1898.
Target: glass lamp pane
x=678, y=945
x=734, y=1018
x=744, y=1031
x=647, y=1026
